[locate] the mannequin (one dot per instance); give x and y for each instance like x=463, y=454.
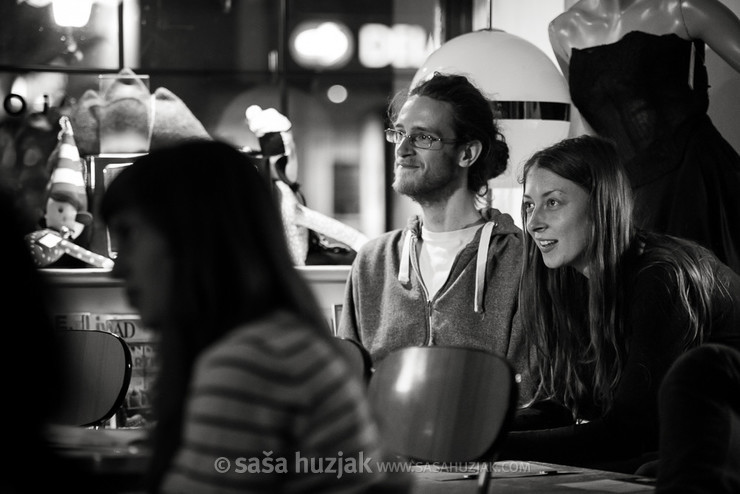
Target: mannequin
x=636, y=74
x=595, y=22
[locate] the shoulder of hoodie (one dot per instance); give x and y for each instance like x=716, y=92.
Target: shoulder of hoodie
x=507, y=239
x=505, y=233
x=504, y=223
x=384, y=242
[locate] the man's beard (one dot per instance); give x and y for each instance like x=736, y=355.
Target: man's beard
x=430, y=188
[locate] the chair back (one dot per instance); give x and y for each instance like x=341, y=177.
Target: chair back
x=443, y=404
x=97, y=373
x=358, y=358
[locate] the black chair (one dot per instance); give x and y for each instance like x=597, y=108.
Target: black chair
x=444, y=404
x=358, y=357
x=97, y=373
x=699, y=413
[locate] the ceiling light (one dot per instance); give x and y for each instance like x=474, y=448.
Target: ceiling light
x=72, y=13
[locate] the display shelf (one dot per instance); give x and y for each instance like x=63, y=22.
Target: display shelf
x=94, y=299
x=95, y=291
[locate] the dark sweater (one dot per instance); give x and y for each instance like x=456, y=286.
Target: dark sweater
x=385, y=312
x=656, y=334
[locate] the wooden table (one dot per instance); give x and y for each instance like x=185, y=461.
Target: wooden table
x=108, y=461
x=116, y=459
x=529, y=477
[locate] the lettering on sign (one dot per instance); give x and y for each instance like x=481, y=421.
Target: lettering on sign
x=144, y=359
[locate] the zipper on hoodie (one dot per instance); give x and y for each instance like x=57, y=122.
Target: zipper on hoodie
x=429, y=303
x=430, y=341
x=409, y=250
x=415, y=264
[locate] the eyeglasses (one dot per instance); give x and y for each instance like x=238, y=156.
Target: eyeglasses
x=420, y=141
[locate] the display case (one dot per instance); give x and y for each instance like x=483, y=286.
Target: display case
x=93, y=299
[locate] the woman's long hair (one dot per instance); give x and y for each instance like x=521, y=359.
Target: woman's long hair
x=568, y=335
x=230, y=259
x=581, y=350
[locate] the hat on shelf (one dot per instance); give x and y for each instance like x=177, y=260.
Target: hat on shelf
x=67, y=180
x=84, y=118
x=127, y=118
x=125, y=115
x=173, y=120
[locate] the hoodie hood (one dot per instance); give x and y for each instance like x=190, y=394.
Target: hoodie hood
x=497, y=223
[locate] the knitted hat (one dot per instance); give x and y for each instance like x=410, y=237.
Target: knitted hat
x=84, y=118
x=138, y=120
x=67, y=181
x=173, y=120
x=125, y=115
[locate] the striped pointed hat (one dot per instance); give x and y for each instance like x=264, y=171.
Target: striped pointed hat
x=67, y=181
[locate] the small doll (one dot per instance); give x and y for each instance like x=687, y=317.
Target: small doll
x=65, y=214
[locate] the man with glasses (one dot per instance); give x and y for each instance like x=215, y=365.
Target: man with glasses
x=450, y=278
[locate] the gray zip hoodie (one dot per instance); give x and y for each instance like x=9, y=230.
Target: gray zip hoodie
x=386, y=306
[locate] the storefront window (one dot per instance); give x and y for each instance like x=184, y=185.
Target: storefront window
x=329, y=65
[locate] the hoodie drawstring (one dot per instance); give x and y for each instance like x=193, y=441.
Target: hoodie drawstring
x=480, y=265
x=405, y=264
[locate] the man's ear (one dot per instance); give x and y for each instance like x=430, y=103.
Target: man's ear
x=469, y=153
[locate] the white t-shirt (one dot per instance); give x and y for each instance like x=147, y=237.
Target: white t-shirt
x=438, y=251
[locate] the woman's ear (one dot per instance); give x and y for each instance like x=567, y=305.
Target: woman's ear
x=469, y=153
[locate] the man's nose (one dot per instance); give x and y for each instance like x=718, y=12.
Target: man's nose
x=404, y=147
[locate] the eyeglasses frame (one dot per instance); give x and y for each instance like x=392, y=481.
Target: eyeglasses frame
x=411, y=137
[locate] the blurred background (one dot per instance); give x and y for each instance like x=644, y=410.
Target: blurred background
x=329, y=65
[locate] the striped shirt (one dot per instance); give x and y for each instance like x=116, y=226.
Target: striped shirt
x=272, y=408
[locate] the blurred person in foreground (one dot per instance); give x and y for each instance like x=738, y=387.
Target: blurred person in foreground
x=33, y=386
x=252, y=393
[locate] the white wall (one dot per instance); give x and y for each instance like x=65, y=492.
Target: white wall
x=724, y=92
x=528, y=19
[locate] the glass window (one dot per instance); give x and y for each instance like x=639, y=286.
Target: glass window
x=329, y=65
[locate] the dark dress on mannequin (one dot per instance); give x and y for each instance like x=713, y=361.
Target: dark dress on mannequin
x=649, y=94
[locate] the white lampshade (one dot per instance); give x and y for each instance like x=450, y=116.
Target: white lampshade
x=72, y=13
x=531, y=96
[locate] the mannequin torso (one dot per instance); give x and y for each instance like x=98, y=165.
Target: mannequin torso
x=596, y=22
x=636, y=75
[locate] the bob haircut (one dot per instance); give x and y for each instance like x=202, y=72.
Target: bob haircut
x=231, y=260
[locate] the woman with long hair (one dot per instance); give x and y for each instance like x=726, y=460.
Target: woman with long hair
x=608, y=307
x=252, y=391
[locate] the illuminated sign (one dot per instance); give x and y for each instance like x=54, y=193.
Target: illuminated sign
x=321, y=44
x=330, y=45
x=401, y=46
